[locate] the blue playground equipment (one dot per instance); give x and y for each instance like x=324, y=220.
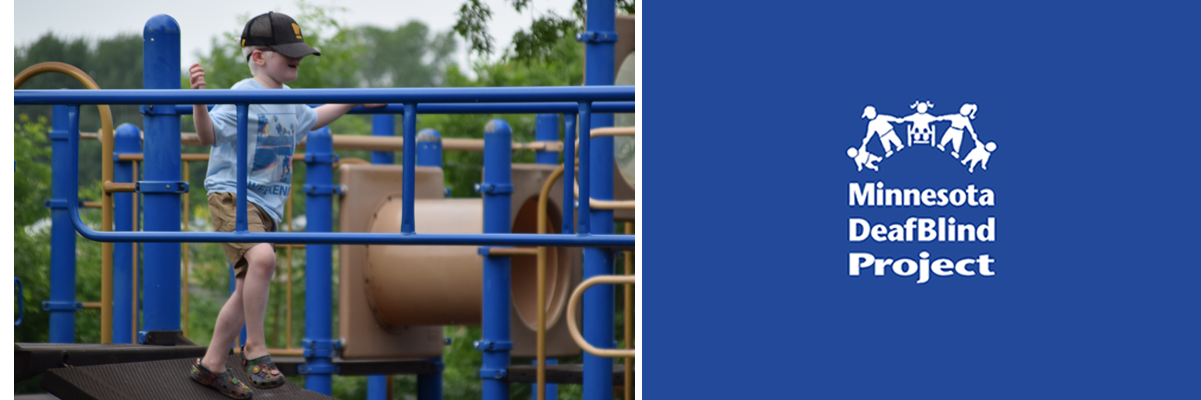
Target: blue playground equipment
x=161, y=188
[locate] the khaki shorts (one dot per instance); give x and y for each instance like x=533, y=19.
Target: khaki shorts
x=223, y=209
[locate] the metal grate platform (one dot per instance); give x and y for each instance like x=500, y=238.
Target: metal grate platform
x=561, y=373
x=34, y=358
x=166, y=379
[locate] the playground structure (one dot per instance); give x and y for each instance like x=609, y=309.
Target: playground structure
x=518, y=246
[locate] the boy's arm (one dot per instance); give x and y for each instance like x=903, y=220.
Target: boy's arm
x=200, y=113
x=326, y=114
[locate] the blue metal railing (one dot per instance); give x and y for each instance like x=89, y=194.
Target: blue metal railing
x=536, y=94
x=339, y=96
x=602, y=107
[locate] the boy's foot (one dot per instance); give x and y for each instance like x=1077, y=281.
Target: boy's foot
x=263, y=372
x=223, y=382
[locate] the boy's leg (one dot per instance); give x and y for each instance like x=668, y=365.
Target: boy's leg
x=261, y=260
x=229, y=325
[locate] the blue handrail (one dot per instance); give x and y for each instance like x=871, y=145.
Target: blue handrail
x=340, y=96
x=601, y=107
x=582, y=95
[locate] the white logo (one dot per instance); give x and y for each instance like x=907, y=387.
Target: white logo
x=921, y=130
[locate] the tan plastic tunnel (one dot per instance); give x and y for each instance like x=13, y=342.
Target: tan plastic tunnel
x=411, y=291
x=442, y=285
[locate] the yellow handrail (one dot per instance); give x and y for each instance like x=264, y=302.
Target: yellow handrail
x=605, y=204
x=106, y=175
x=574, y=301
x=543, y=200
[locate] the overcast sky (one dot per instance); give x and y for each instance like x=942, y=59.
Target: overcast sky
x=199, y=21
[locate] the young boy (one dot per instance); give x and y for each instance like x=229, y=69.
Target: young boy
x=273, y=46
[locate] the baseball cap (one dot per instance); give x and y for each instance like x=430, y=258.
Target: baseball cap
x=278, y=32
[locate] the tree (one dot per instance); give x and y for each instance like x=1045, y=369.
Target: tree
x=536, y=43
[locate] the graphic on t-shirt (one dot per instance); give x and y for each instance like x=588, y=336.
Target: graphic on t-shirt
x=273, y=154
x=921, y=130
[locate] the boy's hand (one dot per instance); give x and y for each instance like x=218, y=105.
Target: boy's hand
x=197, y=78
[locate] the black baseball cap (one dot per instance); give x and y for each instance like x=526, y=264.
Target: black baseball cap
x=278, y=32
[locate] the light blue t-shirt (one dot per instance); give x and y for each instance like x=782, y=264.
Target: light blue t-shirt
x=274, y=131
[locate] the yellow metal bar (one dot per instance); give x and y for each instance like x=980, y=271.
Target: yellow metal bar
x=396, y=143
x=543, y=201
x=610, y=204
x=91, y=305
x=612, y=131
x=574, y=302
x=629, y=317
x=183, y=157
x=122, y=187
x=93, y=204
x=513, y=251
x=186, y=227
x=106, y=175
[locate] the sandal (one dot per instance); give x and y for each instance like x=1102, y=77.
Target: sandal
x=223, y=382
x=263, y=372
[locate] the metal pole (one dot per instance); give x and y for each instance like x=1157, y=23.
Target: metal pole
x=383, y=125
x=160, y=51
x=377, y=385
x=569, y=174
x=552, y=390
x=63, y=183
x=409, y=174
x=429, y=148
x=598, y=302
x=546, y=129
x=127, y=140
x=319, y=347
x=429, y=154
x=496, y=188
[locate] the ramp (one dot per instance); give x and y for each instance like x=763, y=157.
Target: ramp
x=165, y=379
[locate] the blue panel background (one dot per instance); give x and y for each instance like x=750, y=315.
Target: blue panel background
x=748, y=110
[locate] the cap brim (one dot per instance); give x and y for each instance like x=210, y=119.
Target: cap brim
x=295, y=50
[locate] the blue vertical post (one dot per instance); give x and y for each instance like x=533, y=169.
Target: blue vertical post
x=127, y=141
x=377, y=385
x=429, y=148
x=496, y=188
x=546, y=129
x=429, y=154
x=598, y=302
x=319, y=346
x=409, y=174
x=233, y=285
x=568, y=174
x=63, y=186
x=161, y=69
x=383, y=125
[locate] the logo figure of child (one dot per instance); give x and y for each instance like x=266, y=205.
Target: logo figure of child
x=979, y=154
x=863, y=158
x=880, y=124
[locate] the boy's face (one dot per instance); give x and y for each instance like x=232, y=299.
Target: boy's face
x=280, y=68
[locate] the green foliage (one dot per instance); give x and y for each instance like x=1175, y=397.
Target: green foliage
x=113, y=63
x=536, y=43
